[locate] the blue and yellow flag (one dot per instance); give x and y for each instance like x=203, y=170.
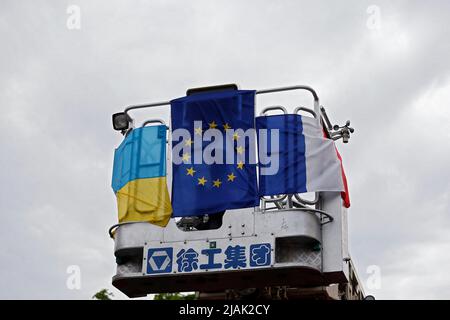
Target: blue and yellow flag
x=139, y=177
x=204, y=129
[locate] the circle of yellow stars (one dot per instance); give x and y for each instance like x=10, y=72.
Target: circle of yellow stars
x=216, y=183
x=202, y=180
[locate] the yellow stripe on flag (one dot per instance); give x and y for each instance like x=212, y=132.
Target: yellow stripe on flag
x=145, y=200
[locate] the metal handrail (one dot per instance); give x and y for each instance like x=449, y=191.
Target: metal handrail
x=325, y=116
x=314, y=211
x=282, y=197
x=271, y=108
x=313, y=202
x=279, y=198
x=141, y=106
x=274, y=90
x=275, y=200
x=307, y=88
x=117, y=225
x=321, y=212
x=314, y=112
x=160, y=121
x=296, y=110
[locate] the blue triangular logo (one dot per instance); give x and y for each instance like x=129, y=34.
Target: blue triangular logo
x=159, y=260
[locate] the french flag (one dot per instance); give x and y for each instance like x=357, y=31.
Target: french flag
x=307, y=160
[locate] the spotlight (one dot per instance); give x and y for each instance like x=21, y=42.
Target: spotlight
x=121, y=121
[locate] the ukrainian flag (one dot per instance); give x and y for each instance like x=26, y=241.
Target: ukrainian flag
x=139, y=177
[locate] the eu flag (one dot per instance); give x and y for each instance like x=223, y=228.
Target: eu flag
x=199, y=186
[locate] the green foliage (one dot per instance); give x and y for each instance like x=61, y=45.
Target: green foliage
x=103, y=294
x=174, y=296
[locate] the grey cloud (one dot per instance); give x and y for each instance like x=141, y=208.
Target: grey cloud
x=58, y=89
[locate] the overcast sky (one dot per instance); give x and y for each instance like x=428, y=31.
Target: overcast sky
x=59, y=87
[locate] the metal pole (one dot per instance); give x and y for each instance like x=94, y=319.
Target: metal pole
x=265, y=91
